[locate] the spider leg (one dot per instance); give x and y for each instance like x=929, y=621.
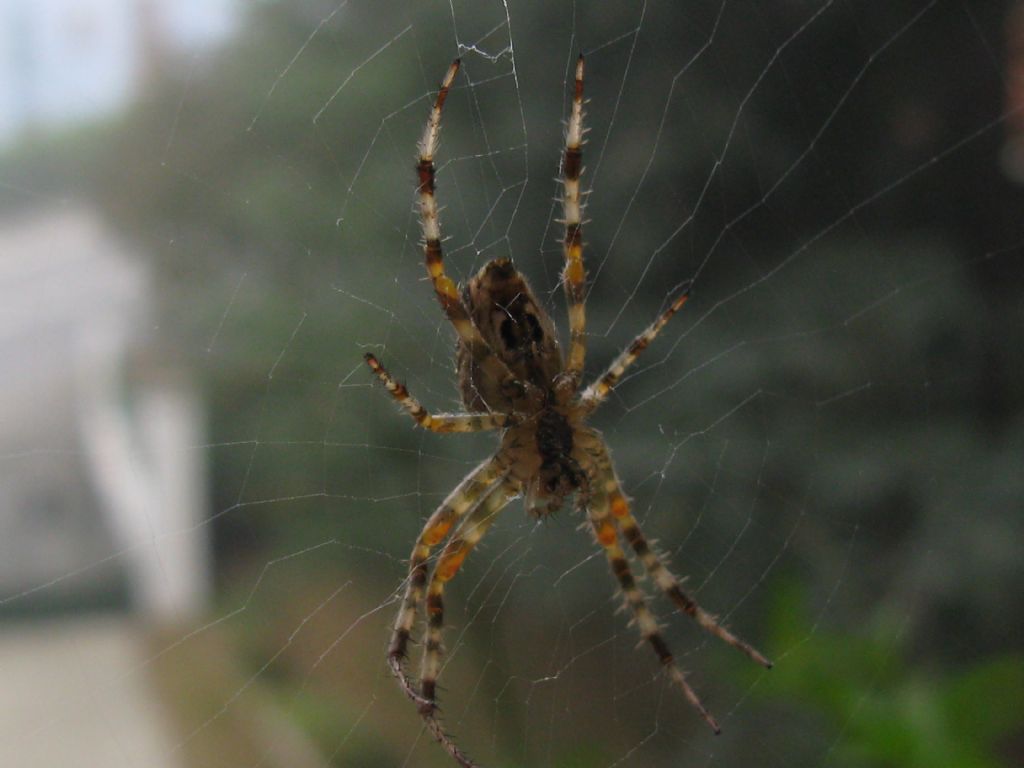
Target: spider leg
x=445, y=289
x=656, y=567
x=465, y=496
x=466, y=536
x=599, y=513
x=435, y=422
x=574, y=275
x=595, y=393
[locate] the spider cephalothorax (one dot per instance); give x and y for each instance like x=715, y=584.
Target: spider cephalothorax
x=513, y=378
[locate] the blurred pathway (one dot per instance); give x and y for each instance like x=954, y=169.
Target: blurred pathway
x=76, y=692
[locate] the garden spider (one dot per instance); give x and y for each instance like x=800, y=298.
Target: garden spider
x=513, y=379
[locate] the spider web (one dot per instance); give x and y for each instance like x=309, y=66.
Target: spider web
x=829, y=426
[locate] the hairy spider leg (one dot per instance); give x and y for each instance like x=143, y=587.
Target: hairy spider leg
x=446, y=741
x=445, y=289
x=574, y=275
x=435, y=422
x=466, y=536
x=656, y=567
x=466, y=495
x=599, y=513
x=594, y=394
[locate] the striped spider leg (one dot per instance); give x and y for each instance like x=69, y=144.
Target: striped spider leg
x=484, y=488
x=600, y=508
x=435, y=422
x=612, y=520
x=574, y=275
x=596, y=392
x=466, y=536
x=475, y=502
x=445, y=289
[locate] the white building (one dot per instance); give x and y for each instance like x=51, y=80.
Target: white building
x=101, y=487
x=101, y=465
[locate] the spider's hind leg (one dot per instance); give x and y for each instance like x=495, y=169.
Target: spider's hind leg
x=445, y=289
x=574, y=275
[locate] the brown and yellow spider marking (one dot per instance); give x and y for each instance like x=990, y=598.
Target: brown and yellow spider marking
x=512, y=378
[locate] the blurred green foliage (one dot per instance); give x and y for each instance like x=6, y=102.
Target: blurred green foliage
x=891, y=707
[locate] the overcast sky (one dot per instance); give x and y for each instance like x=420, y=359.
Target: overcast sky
x=67, y=60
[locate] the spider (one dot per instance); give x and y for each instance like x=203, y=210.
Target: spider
x=513, y=379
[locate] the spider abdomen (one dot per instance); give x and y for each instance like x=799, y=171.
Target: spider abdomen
x=516, y=328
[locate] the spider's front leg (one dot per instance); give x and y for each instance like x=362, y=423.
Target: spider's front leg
x=482, y=495
x=599, y=511
x=459, y=502
x=656, y=567
x=466, y=536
